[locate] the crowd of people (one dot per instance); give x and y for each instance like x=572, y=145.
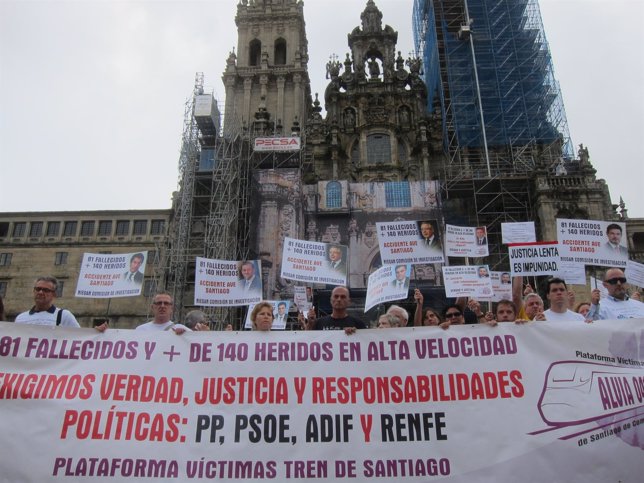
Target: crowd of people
x=526, y=305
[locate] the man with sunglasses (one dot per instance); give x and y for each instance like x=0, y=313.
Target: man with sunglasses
x=44, y=312
x=616, y=305
x=162, y=309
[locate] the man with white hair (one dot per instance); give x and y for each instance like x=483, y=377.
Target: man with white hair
x=401, y=314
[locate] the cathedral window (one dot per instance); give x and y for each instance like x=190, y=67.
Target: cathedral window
x=254, y=53
x=280, y=52
x=378, y=149
x=333, y=195
x=402, y=152
x=397, y=194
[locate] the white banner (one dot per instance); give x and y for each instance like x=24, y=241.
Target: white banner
x=409, y=242
x=227, y=283
x=111, y=275
x=465, y=241
x=467, y=281
x=314, y=262
x=540, y=258
x=280, y=314
x=518, y=232
x=501, y=287
x=592, y=242
x=389, y=282
x=278, y=144
x=550, y=402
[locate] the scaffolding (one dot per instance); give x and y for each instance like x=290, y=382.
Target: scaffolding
x=489, y=72
x=488, y=67
x=214, y=204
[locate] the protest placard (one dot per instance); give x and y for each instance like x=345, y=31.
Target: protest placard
x=111, y=275
x=280, y=314
x=518, y=232
x=389, y=282
x=501, y=287
x=573, y=273
x=385, y=405
x=301, y=298
x=540, y=258
x=465, y=241
x=467, y=281
x=635, y=273
x=409, y=242
x=314, y=262
x=227, y=283
x=592, y=242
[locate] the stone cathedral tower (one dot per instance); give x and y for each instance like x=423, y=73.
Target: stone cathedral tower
x=268, y=73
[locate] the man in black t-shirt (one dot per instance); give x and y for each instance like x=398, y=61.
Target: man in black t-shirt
x=339, y=318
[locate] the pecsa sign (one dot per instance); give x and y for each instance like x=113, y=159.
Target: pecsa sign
x=278, y=144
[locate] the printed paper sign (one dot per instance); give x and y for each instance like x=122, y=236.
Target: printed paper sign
x=409, y=242
x=280, y=314
x=501, y=287
x=465, y=241
x=324, y=407
x=573, y=273
x=635, y=273
x=111, y=275
x=518, y=232
x=467, y=281
x=389, y=282
x=314, y=262
x=227, y=283
x=591, y=242
x=540, y=258
x=599, y=285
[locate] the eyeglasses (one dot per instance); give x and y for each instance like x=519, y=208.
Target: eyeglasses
x=614, y=281
x=162, y=303
x=44, y=290
x=451, y=315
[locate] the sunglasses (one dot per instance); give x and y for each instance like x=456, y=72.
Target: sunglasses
x=450, y=315
x=614, y=281
x=43, y=290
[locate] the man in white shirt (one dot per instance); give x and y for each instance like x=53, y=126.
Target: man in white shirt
x=162, y=308
x=558, y=297
x=616, y=305
x=44, y=312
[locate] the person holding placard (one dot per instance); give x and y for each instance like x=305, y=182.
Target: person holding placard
x=44, y=312
x=339, y=318
x=262, y=317
x=424, y=317
x=557, y=295
x=401, y=314
x=162, y=308
x=616, y=305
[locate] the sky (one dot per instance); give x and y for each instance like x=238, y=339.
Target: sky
x=92, y=93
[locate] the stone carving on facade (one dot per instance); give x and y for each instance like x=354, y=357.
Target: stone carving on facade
x=311, y=230
x=404, y=118
x=331, y=234
x=374, y=68
x=371, y=18
x=349, y=118
x=353, y=227
x=370, y=237
x=582, y=154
